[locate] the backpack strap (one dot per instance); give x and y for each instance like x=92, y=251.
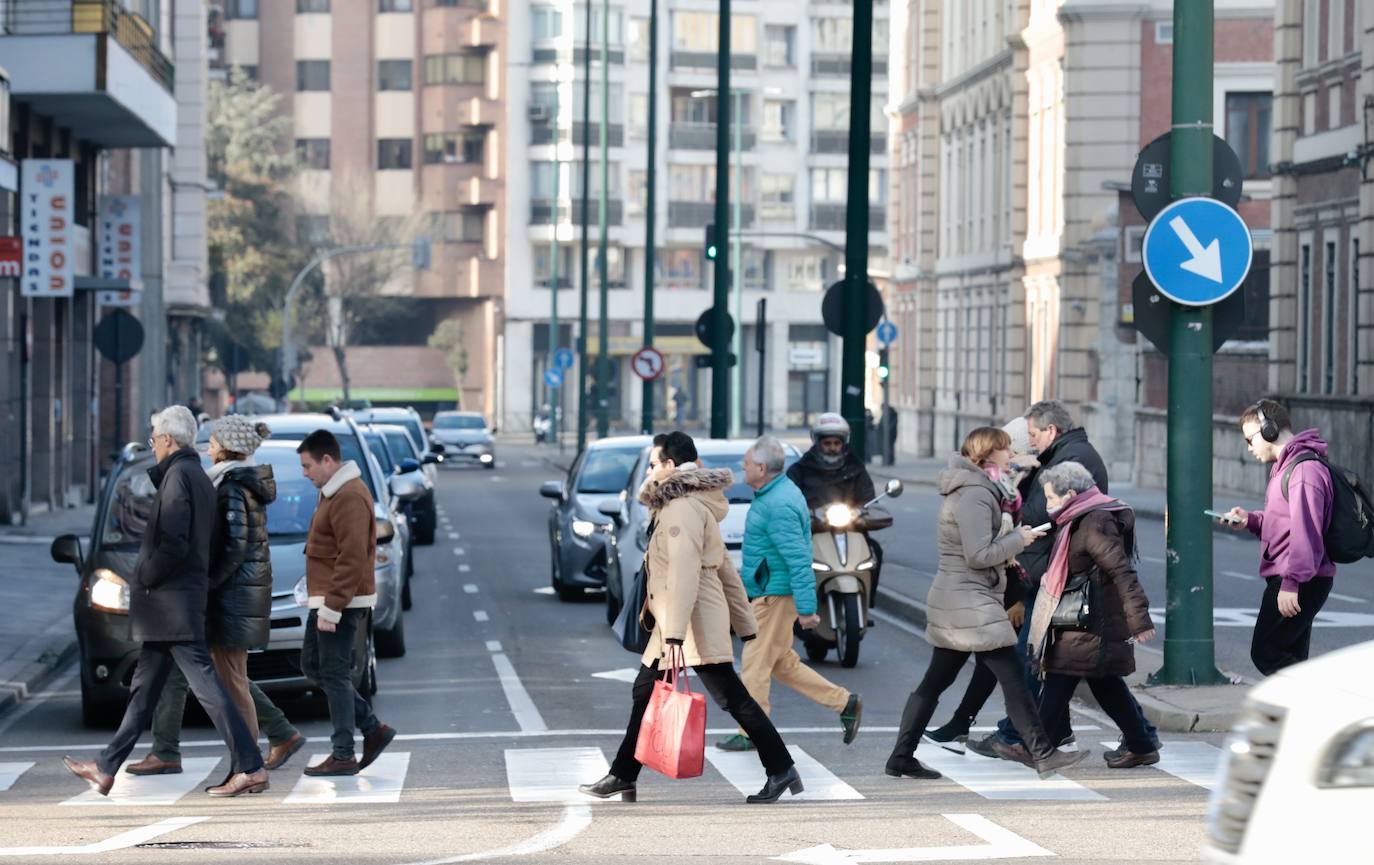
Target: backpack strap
x=1302, y=458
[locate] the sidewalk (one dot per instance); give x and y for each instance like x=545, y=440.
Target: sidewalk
x=36, y=633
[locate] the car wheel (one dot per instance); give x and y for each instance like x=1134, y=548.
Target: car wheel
x=392, y=643
x=490, y=466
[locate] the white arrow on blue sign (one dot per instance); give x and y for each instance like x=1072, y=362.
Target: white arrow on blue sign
x=886, y=333
x=563, y=359
x=1197, y=251
x=553, y=377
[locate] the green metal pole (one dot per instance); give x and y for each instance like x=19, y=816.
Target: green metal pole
x=1189, y=649
x=856, y=228
x=586, y=218
x=603, y=362
x=736, y=382
x=555, y=343
x=720, y=359
x=646, y=420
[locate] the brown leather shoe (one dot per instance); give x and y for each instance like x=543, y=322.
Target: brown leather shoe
x=1130, y=760
x=1015, y=753
x=277, y=755
x=374, y=744
x=243, y=782
x=153, y=765
x=87, y=771
x=332, y=766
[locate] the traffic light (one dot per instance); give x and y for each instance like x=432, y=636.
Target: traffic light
x=712, y=251
x=883, y=369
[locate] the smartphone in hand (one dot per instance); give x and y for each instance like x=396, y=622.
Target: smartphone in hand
x=1043, y=527
x=1225, y=518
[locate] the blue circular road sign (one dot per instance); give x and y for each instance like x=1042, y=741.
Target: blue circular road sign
x=886, y=333
x=1197, y=251
x=563, y=359
x=553, y=377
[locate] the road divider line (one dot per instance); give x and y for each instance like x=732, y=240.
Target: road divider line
x=378, y=784
x=521, y=706
x=1239, y=576
x=1194, y=762
x=1003, y=779
x=122, y=841
x=742, y=770
x=493, y=645
x=464, y=569
x=575, y=820
x=1349, y=599
x=553, y=774
x=454, y=536
x=10, y=773
x=480, y=615
x=151, y=790
x=459, y=551
x=470, y=588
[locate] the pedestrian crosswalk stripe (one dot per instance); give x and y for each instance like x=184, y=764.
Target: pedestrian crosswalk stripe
x=1003, y=779
x=378, y=784
x=147, y=790
x=1194, y=762
x=745, y=774
x=10, y=772
x=553, y=774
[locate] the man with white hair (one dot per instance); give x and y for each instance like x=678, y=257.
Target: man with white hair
x=777, y=576
x=167, y=598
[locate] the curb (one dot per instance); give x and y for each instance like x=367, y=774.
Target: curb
x=24, y=678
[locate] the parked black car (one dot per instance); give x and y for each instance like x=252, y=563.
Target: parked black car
x=404, y=458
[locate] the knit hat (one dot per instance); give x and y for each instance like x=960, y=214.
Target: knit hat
x=236, y=433
x=1020, y=435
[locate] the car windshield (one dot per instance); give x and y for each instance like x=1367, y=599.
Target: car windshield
x=400, y=445
x=460, y=421
x=739, y=493
x=131, y=503
x=417, y=432
x=606, y=470
x=377, y=444
x=294, y=507
x=348, y=447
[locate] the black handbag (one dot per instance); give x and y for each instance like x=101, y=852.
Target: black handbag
x=1075, y=610
x=634, y=634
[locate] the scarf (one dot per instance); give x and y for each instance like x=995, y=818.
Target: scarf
x=220, y=469
x=1006, y=482
x=1052, y=584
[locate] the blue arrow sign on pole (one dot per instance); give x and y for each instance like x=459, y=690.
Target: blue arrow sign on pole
x=886, y=333
x=563, y=359
x=553, y=377
x=1197, y=251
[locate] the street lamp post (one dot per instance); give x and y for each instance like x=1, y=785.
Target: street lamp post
x=555, y=340
x=646, y=422
x=720, y=380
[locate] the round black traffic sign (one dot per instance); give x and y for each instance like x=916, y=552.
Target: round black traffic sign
x=119, y=336
x=705, y=330
x=1150, y=177
x=832, y=308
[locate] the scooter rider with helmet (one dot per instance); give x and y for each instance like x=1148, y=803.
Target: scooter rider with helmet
x=831, y=473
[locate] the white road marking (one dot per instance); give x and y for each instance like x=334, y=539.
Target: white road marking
x=544, y=590
x=378, y=784
x=742, y=770
x=454, y=536
x=1154, y=560
x=1238, y=575
x=1003, y=779
x=10, y=772
x=625, y=674
x=1349, y=599
x=470, y=588
x=575, y=820
x=1194, y=762
x=27, y=539
x=493, y=645
x=521, y=706
x=122, y=841
x=553, y=774
x=464, y=569
x=1244, y=617
x=998, y=843
x=459, y=551
x=151, y=790
x=480, y=615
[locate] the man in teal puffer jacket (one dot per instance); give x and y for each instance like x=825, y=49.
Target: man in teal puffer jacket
x=782, y=588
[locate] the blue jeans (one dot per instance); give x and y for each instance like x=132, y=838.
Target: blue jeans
x=327, y=658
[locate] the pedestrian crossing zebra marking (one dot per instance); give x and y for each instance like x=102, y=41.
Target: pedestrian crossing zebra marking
x=1194, y=762
x=122, y=841
x=742, y=770
x=998, y=843
x=151, y=790
x=10, y=772
x=1003, y=779
x=378, y=784
x=553, y=774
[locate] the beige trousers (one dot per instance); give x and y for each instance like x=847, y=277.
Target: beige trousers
x=231, y=665
x=771, y=656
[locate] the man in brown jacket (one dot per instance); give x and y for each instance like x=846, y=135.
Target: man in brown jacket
x=695, y=597
x=340, y=556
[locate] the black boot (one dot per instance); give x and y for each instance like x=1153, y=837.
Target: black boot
x=610, y=786
x=909, y=767
x=952, y=736
x=776, y=785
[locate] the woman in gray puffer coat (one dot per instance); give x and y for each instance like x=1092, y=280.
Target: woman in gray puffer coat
x=965, y=614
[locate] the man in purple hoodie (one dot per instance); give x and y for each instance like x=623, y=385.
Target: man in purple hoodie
x=1293, y=560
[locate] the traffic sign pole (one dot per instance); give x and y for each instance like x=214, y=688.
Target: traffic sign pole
x=1189, y=647
x=852, y=365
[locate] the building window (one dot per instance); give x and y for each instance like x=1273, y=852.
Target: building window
x=1311, y=32
x=639, y=192
x=455, y=148
x=617, y=26
x=463, y=226
x=546, y=24
x=699, y=32
x=249, y=72
x=617, y=104
x=241, y=9
x=394, y=74
x=395, y=5
x=1329, y=325
x=639, y=39
x=829, y=185
x=639, y=114
x=1248, y=124
x=1354, y=343
x=542, y=180
x=543, y=265
x=394, y=154
x=779, y=120
x=312, y=75
x=460, y=68
x=305, y=7
x=313, y=153
x=777, y=190
x=780, y=46
x=1304, y=315
x=692, y=183
x=312, y=228
x=1164, y=33
x=679, y=267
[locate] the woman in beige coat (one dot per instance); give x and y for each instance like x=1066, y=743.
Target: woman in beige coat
x=964, y=608
x=694, y=599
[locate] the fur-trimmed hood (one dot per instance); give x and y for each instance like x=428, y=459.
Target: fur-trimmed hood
x=691, y=480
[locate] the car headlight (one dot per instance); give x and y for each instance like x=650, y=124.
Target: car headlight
x=301, y=593
x=1349, y=760
x=485, y=458
x=839, y=516
x=583, y=528
x=821, y=567
x=109, y=592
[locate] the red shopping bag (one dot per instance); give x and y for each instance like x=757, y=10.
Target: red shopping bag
x=672, y=739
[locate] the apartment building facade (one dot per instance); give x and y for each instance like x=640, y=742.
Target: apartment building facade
x=790, y=71
x=398, y=109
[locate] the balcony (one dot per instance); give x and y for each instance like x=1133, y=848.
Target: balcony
x=549, y=54
x=830, y=217
x=699, y=214
x=837, y=141
x=702, y=136
x=541, y=211
x=542, y=132
x=93, y=67
x=838, y=65
x=706, y=60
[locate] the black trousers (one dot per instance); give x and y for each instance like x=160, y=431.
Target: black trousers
x=327, y=659
x=1115, y=698
x=155, y=663
x=1282, y=642
x=1008, y=668
x=724, y=685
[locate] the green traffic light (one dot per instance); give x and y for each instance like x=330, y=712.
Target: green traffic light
x=882, y=372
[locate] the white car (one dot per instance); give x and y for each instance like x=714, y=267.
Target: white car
x=1297, y=778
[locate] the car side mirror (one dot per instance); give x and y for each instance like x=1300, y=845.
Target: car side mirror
x=611, y=508
x=894, y=489
x=552, y=490
x=66, y=549
x=408, y=465
x=406, y=489
x=437, y=447
x=432, y=458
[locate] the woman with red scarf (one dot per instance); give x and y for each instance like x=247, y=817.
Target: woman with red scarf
x=1095, y=541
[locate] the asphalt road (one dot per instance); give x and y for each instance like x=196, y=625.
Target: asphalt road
x=502, y=712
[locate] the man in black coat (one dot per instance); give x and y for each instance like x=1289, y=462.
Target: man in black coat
x=829, y=473
x=167, y=598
